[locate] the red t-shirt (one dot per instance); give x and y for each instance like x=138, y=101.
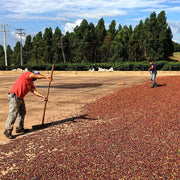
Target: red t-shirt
x=23, y=85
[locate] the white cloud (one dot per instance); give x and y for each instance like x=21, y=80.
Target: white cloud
x=176, y=39
x=40, y=17
x=174, y=9
x=175, y=1
x=70, y=26
x=67, y=11
x=62, y=10
x=96, y=13
x=16, y=36
x=175, y=26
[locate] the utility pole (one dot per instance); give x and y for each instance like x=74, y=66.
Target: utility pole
x=20, y=36
x=63, y=49
x=4, y=31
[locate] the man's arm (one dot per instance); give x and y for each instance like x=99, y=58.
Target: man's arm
x=38, y=94
x=152, y=67
x=40, y=76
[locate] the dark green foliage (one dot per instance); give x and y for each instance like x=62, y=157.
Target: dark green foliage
x=47, y=42
x=127, y=66
x=117, y=66
x=2, y=60
x=60, y=67
x=78, y=67
x=15, y=57
x=171, y=66
x=3, y=67
x=37, y=50
x=112, y=29
x=160, y=64
x=151, y=39
x=9, y=54
x=176, y=47
x=27, y=50
x=56, y=45
x=141, y=66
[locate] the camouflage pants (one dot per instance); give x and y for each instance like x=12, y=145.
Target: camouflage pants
x=17, y=110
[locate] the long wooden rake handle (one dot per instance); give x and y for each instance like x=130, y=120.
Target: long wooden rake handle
x=47, y=94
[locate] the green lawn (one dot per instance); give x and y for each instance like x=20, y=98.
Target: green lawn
x=176, y=56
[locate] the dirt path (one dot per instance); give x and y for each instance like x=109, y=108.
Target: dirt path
x=68, y=94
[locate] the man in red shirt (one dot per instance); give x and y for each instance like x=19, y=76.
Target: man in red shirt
x=16, y=95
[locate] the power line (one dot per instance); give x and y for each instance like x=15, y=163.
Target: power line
x=20, y=36
x=4, y=31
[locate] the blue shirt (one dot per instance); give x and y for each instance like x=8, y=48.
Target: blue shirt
x=154, y=70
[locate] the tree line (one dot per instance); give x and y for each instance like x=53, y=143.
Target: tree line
x=151, y=39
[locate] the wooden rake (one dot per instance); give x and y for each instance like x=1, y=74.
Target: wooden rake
x=41, y=126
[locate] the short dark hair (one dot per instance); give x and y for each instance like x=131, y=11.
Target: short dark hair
x=150, y=60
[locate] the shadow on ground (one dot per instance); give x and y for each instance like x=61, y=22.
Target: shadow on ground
x=73, y=86
x=160, y=85
x=46, y=125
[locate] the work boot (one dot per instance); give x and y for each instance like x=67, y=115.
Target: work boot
x=22, y=130
x=8, y=134
x=152, y=86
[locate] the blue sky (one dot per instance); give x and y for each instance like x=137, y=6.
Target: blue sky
x=36, y=15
